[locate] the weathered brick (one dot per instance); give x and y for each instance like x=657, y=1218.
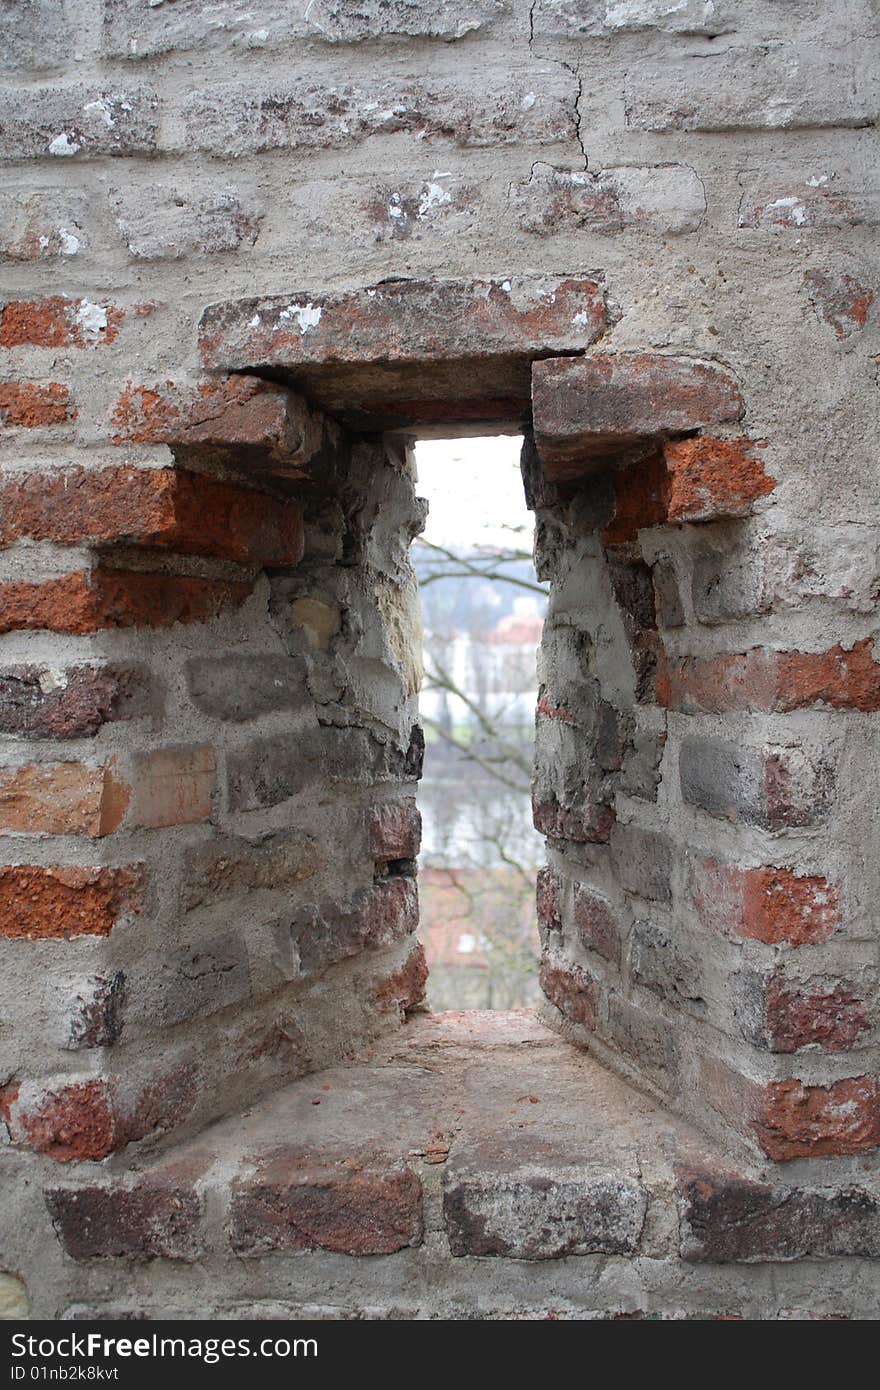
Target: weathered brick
x=36, y=226
x=70, y=1123
x=595, y=925
x=644, y=861
x=60, y=903
x=767, y=904
x=777, y=86
x=772, y=787
x=797, y=206
x=667, y=199
x=588, y=822
x=711, y=478
x=61, y=799
x=88, y=601
x=240, y=420
x=67, y=702
x=768, y=680
x=640, y=499
x=155, y=1219
x=592, y=408
x=96, y=1015
x=404, y=987
x=782, y=1016
x=77, y=121
x=133, y=31
x=727, y=586
x=245, y=685
x=405, y=321
x=395, y=830
x=634, y=591
x=168, y=223
x=57, y=321
x=163, y=1100
x=274, y=767
x=380, y=916
x=171, y=786
x=646, y=1040
x=165, y=508
x=534, y=108
x=548, y=888
x=30, y=405
x=359, y=1205
x=839, y=299
x=35, y=35
x=202, y=977
x=725, y=1219
x=538, y=1205
x=233, y=865
x=594, y=18
x=572, y=990
x=791, y=1120
x=660, y=962
x=834, y=564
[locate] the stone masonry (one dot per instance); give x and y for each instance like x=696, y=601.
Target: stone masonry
x=248, y=252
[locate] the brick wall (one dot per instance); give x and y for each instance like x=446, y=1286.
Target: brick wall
x=206, y=675
x=699, y=918
x=210, y=747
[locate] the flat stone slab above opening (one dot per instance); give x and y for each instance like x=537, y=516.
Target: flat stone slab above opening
x=428, y=356
x=594, y=410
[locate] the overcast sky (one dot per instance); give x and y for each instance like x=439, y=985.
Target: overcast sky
x=474, y=489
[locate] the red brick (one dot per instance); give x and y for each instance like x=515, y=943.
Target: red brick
x=792, y=1120
x=61, y=799
x=395, y=830
x=768, y=904
x=572, y=990
x=690, y=480
x=88, y=601
x=58, y=322
x=405, y=321
x=60, y=903
x=237, y=412
x=404, y=987
x=641, y=500
x=172, y=786
x=154, y=1219
x=68, y=1124
x=549, y=709
x=589, y=409
x=353, y=1206
x=587, y=823
x=91, y=1119
x=773, y=681
x=162, y=507
x=798, y=1121
x=830, y=1018
x=74, y=702
x=29, y=405
x=710, y=478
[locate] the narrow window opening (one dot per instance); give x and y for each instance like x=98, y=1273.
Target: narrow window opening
x=483, y=611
